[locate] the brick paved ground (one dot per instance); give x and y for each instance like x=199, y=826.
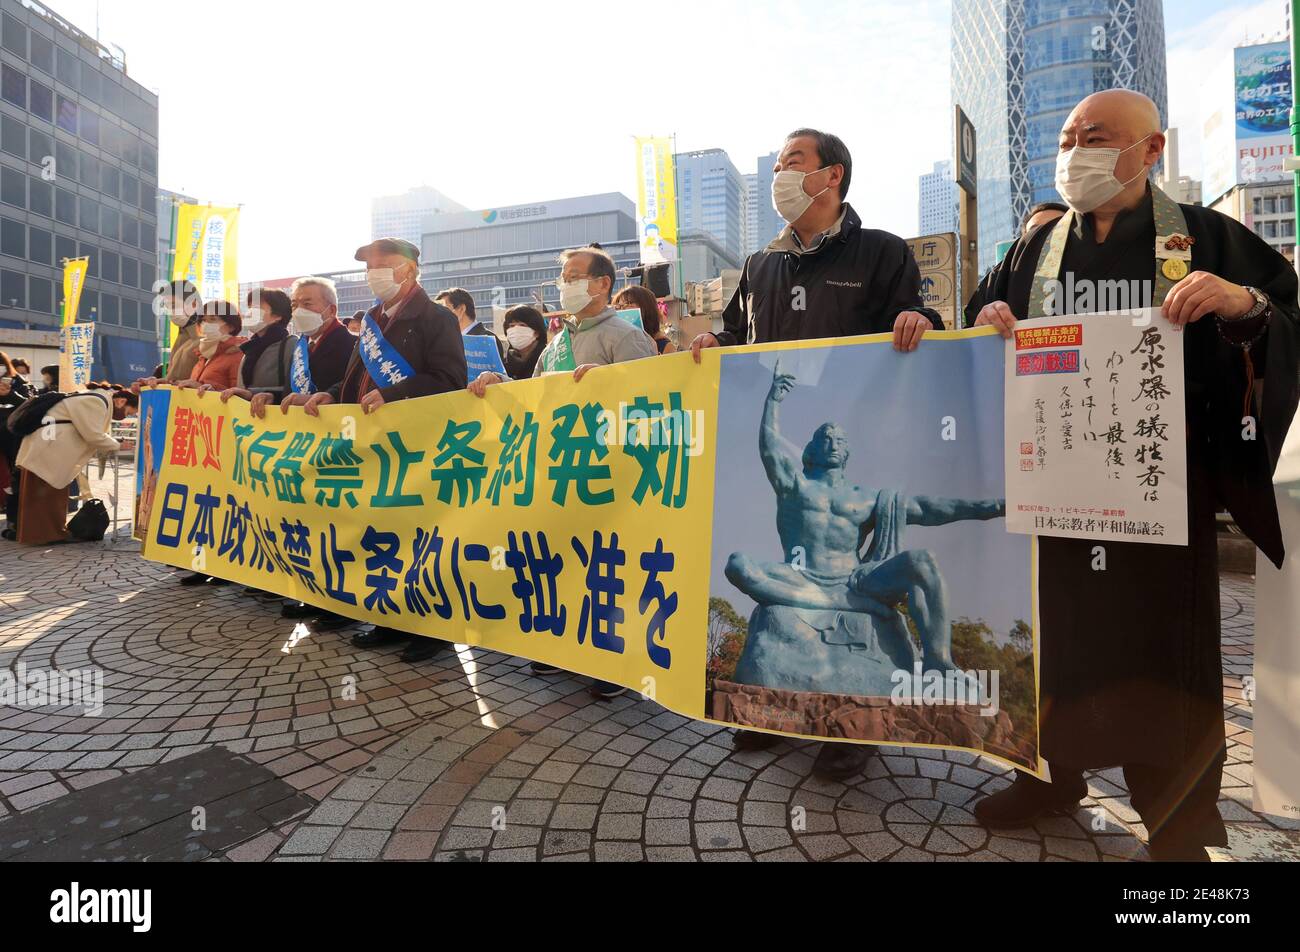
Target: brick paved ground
x=471, y=758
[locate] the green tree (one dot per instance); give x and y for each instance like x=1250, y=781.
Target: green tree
x=727, y=634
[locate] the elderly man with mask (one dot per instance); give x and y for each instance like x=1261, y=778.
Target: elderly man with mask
x=592, y=335
x=319, y=355
x=409, y=347
x=1131, y=670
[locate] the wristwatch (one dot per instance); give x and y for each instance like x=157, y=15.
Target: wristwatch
x=1262, y=304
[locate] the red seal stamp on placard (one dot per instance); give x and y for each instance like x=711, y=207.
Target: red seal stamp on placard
x=1026, y=449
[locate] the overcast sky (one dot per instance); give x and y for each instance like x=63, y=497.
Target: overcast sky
x=302, y=111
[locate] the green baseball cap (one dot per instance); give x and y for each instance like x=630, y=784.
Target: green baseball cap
x=389, y=246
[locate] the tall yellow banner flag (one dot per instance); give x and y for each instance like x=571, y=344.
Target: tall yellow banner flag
x=74, y=279
x=656, y=199
x=207, y=242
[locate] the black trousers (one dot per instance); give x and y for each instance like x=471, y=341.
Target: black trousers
x=1179, y=806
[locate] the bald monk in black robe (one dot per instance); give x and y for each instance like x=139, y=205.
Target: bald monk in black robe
x=1130, y=670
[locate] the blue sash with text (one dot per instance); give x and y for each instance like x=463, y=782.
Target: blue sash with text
x=300, y=369
x=384, y=364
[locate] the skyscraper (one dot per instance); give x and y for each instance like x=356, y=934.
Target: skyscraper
x=405, y=215
x=1020, y=66
x=712, y=199
x=937, y=208
x=767, y=223
x=751, y=212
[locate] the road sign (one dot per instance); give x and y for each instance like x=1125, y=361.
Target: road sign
x=964, y=142
x=936, y=258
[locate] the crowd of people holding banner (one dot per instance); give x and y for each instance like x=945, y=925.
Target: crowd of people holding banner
x=1141, y=647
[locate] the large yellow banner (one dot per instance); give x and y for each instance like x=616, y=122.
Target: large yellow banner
x=656, y=199
x=207, y=244
x=752, y=540
x=74, y=279
x=457, y=517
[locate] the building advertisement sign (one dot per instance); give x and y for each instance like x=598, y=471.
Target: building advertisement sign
x=1246, y=135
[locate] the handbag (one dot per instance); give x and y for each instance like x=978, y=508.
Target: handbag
x=90, y=523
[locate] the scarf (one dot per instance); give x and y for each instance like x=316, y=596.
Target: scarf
x=254, y=347
x=208, y=346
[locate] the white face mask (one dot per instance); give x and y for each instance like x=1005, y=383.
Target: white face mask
x=520, y=337
x=253, y=320
x=1085, y=178
x=214, y=331
x=788, y=197
x=179, y=318
x=306, y=322
x=574, y=296
x=382, y=284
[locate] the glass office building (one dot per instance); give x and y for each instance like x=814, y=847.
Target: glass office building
x=504, y=255
x=711, y=201
x=78, y=177
x=1020, y=66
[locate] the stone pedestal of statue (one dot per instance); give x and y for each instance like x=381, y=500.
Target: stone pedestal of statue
x=832, y=652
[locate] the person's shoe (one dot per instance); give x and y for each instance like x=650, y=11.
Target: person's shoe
x=422, y=649
x=606, y=690
x=379, y=635
x=194, y=578
x=328, y=621
x=841, y=761
x=10, y=534
x=754, y=740
x=1176, y=852
x=1030, y=798
x=298, y=610
x=216, y=580
x=544, y=670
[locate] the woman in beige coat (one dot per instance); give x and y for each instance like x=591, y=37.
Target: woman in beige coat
x=54, y=456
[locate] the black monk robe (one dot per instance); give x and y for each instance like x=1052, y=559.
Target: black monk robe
x=1130, y=667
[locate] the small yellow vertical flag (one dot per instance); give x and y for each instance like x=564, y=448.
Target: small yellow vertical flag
x=207, y=242
x=656, y=199
x=74, y=279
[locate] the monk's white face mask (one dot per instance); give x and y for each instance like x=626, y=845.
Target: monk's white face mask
x=1085, y=178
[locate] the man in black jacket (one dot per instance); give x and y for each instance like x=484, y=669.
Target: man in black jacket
x=823, y=276
x=461, y=303
x=427, y=337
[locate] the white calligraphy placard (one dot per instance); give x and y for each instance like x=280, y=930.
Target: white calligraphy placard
x=1096, y=437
